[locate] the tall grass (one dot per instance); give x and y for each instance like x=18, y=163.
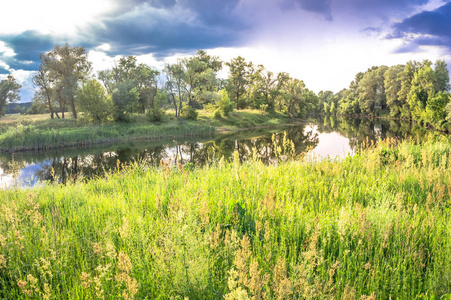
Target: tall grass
x=372, y=226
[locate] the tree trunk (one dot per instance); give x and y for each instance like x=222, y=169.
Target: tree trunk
x=175, y=104
x=74, y=112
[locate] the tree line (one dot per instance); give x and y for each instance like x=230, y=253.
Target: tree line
x=65, y=83
x=416, y=91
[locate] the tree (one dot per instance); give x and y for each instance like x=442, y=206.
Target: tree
x=9, y=92
x=68, y=65
x=238, y=80
x=406, y=77
x=422, y=90
x=441, y=76
x=175, y=84
x=372, y=91
x=43, y=80
x=392, y=89
x=200, y=75
x=125, y=98
x=93, y=101
x=146, y=82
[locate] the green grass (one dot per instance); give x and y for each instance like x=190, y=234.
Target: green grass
x=40, y=132
x=372, y=226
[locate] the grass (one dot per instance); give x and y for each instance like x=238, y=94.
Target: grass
x=372, y=226
x=40, y=132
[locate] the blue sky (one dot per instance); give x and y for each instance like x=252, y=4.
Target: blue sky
x=323, y=42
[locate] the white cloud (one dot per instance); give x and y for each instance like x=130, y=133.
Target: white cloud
x=4, y=65
x=5, y=50
x=51, y=16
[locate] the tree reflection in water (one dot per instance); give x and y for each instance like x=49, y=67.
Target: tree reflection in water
x=73, y=165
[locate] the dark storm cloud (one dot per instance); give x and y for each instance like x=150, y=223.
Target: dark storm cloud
x=383, y=9
x=428, y=28
x=29, y=44
x=201, y=24
x=130, y=38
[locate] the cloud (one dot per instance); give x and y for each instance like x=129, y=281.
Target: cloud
x=428, y=28
x=164, y=32
x=322, y=7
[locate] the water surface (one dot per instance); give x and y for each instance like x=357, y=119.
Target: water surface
x=320, y=138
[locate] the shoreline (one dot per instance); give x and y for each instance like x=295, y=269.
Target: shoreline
x=71, y=137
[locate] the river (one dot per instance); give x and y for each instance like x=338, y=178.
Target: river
x=315, y=138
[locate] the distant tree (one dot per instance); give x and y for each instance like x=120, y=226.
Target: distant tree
x=441, y=76
x=392, y=89
x=200, y=75
x=372, y=91
x=68, y=65
x=9, y=92
x=175, y=84
x=125, y=98
x=406, y=77
x=94, y=102
x=238, y=80
x=43, y=80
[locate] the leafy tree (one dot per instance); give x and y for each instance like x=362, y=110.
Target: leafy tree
x=441, y=76
x=422, y=90
x=45, y=82
x=125, y=98
x=392, y=88
x=200, y=75
x=9, y=92
x=67, y=66
x=94, y=102
x=175, y=85
x=238, y=80
x=372, y=91
x=406, y=77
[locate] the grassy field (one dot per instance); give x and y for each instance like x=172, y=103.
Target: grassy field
x=373, y=226
x=40, y=132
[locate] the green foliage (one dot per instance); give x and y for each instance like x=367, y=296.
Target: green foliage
x=156, y=112
x=125, y=99
x=94, y=102
x=189, y=113
x=217, y=114
x=225, y=106
x=9, y=92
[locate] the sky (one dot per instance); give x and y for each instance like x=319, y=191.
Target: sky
x=322, y=42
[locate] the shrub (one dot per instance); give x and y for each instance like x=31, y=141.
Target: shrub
x=217, y=114
x=225, y=105
x=189, y=113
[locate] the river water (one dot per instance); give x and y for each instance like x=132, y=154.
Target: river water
x=320, y=138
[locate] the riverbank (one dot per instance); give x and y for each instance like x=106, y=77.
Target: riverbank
x=372, y=226
x=20, y=133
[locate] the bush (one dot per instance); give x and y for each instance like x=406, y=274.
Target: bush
x=217, y=114
x=189, y=113
x=156, y=114
x=225, y=105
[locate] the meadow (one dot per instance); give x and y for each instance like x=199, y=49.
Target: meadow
x=39, y=132
x=375, y=225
